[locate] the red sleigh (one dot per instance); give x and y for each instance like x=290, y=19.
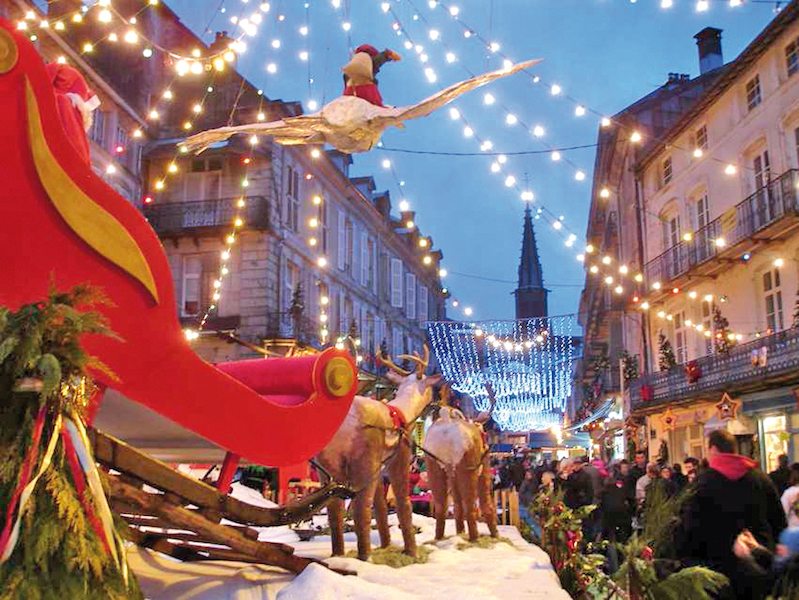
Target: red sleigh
x=61, y=223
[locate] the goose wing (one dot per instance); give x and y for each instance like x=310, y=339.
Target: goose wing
x=447, y=95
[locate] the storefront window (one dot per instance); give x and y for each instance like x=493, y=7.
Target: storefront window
x=775, y=439
x=684, y=442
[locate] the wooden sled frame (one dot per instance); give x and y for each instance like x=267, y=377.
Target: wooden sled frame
x=187, y=514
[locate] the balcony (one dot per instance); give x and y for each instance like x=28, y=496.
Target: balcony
x=206, y=216
x=733, y=373
x=767, y=214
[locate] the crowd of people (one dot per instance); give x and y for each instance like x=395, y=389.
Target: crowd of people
x=733, y=518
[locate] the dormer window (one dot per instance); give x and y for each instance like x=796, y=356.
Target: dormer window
x=666, y=171
x=700, y=138
x=753, y=97
x=792, y=57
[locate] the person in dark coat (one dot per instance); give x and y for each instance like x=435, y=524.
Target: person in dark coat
x=638, y=470
x=781, y=475
x=517, y=473
x=729, y=497
x=616, y=509
x=576, y=484
x=679, y=479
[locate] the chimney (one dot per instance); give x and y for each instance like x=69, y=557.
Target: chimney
x=221, y=43
x=709, y=43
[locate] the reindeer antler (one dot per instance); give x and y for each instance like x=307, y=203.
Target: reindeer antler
x=483, y=417
x=421, y=363
x=387, y=362
x=444, y=394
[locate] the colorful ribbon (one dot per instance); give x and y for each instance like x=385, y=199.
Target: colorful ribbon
x=22, y=494
x=84, y=471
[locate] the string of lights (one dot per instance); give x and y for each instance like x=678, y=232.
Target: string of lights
x=469, y=131
x=528, y=363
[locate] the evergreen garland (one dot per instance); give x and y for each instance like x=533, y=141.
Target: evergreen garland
x=58, y=556
x=666, y=358
x=723, y=340
x=630, y=366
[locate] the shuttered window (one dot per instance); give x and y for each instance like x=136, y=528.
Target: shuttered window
x=396, y=283
x=423, y=316
x=410, y=295
x=342, y=241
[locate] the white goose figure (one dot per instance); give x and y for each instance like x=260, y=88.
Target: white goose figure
x=348, y=123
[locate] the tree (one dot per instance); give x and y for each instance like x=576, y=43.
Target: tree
x=666, y=358
x=296, y=310
x=723, y=340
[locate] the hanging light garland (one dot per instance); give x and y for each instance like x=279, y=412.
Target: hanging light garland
x=527, y=362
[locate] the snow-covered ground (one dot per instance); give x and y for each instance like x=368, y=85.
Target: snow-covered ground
x=519, y=572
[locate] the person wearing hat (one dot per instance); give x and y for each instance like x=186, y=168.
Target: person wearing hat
x=360, y=73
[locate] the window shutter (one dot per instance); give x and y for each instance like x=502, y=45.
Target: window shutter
x=423, y=297
x=342, y=241
x=410, y=295
x=364, y=259
x=397, y=341
x=378, y=332
x=362, y=330
x=396, y=283
x=375, y=269
x=356, y=316
x=342, y=314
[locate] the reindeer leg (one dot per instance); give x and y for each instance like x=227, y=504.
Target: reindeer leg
x=362, y=509
x=398, y=474
x=438, y=483
x=486, y=504
x=381, y=514
x=457, y=502
x=467, y=483
x=335, y=517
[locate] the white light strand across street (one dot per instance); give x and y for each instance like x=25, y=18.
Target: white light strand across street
x=527, y=362
x=510, y=181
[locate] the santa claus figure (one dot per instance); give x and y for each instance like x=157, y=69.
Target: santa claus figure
x=76, y=105
x=360, y=72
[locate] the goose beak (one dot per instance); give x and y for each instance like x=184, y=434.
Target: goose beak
x=393, y=55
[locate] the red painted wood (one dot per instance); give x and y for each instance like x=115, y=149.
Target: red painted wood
x=154, y=363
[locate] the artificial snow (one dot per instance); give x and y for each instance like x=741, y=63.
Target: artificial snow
x=520, y=571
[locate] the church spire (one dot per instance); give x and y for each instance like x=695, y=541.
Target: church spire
x=531, y=296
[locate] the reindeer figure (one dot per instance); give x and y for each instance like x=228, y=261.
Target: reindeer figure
x=373, y=434
x=460, y=463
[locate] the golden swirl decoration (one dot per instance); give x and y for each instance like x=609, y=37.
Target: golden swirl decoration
x=8, y=51
x=338, y=376
x=92, y=223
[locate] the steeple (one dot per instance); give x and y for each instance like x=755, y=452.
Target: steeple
x=531, y=296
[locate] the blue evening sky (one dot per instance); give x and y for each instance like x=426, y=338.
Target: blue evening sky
x=604, y=53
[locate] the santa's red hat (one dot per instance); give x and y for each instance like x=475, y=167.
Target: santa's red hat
x=370, y=50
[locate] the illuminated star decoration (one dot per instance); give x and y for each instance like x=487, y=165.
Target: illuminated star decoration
x=527, y=362
x=727, y=408
x=348, y=123
x=669, y=420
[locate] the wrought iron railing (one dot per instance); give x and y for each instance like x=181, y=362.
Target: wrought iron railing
x=768, y=204
x=180, y=217
x=746, y=365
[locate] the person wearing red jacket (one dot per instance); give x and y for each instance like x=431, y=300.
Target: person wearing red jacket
x=730, y=497
x=360, y=73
